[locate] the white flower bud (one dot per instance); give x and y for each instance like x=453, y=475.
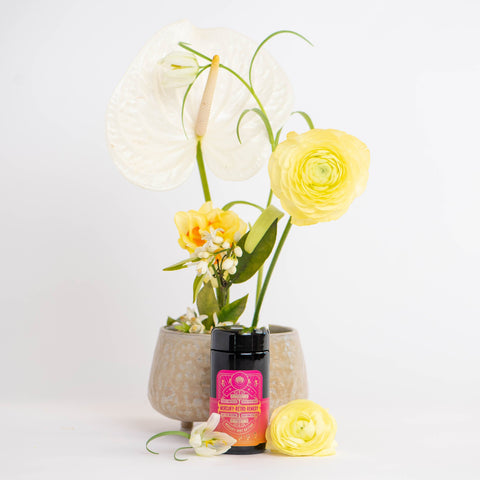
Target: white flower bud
x=237, y=236
x=203, y=254
x=232, y=270
x=228, y=263
x=177, y=69
x=238, y=251
x=225, y=245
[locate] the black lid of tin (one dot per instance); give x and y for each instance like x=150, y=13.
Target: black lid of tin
x=237, y=339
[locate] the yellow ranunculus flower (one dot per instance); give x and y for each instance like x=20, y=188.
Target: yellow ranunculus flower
x=302, y=428
x=194, y=225
x=318, y=174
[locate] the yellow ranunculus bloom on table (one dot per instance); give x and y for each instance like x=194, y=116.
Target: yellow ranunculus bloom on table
x=302, y=428
x=318, y=174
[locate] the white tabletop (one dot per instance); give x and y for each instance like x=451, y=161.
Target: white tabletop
x=79, y=441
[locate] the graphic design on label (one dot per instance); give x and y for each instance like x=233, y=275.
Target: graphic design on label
x=240, y=402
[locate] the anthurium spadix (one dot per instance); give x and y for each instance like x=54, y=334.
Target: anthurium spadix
x=145, y=134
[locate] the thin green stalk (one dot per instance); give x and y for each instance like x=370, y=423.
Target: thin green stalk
x=229, y=205
x=259, y=283
x=269, y=273
x=203, y=174
x=163, y=434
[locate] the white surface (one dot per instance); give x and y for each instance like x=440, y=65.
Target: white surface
x=386, y=299
x=107, y=441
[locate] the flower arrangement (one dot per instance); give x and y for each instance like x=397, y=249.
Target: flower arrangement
x=165, y=114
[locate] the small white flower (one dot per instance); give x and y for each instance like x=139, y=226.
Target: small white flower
x=226, y=244
x=206, y=441
x=212, y=235
x=235, y=262
x=232, y=270
x=177, y=69
x=238, y=251
x=197, y=327
x=211, y=247
x=204, y=254
x=227, y=264
x=202, y=267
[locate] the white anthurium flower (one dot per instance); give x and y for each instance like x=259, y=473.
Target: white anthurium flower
x=144, y=128
x=178, y=69
x=207, y=442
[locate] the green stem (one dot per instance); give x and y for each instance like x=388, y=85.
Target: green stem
x=203, y=174
x=259, y=283
x=269, y=273
x=220, y=297
x=177, y=450
x=229, y=205
x=163, y=434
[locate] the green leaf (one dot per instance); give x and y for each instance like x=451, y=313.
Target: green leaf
x=180, y=265
x=207, y=304
x=182, y=327
x=177, y=450
x=277, y=137
x=249, y=263
x=260, y=227
x=163, y=434
x=171, y=321
x=229, y=205
x=306, y=118
x=232, y=311
x=197, y=285
x=264, y=119
x=292, y=32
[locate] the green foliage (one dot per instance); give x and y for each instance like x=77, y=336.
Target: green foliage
x=182, y=327
x=260, y=227
x=180, y=265
x=229, y=205
x=207, y=304
x=250, y=263
x=262, y=116
x=232, y=311
x=197, y=285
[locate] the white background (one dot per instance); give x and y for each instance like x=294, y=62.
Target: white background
x=385, y=299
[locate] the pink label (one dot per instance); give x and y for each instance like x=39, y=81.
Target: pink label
x=242, y=408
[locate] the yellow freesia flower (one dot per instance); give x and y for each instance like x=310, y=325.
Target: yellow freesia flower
x=196, y=228
x=302, y=428
x=318, y=174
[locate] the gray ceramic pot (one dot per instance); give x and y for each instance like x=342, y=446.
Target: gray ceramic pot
x=179, y=384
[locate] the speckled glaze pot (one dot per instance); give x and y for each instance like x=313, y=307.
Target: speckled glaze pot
x=179, y=384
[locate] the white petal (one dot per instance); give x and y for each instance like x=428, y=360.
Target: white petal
x=212, y=422
x=205, y=451
x=144, y=131
x=195, y=437
x=228, y=263
x=198, y=430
